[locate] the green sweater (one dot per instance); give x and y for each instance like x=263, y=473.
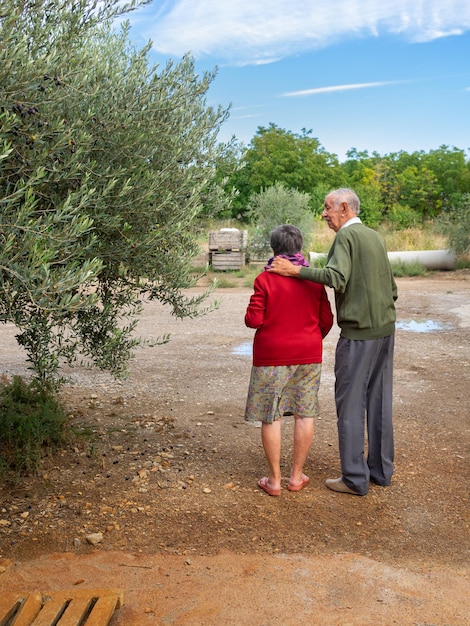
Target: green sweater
x=359, y=271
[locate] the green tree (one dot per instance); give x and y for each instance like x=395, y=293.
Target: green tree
x=451, y=171
x=362, y=174
x=221, y=193
x=419, y=190
x=275, y=155
x=105, y=161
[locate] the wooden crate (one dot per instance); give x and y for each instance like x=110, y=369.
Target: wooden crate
x=230, y=239
x=227, y=260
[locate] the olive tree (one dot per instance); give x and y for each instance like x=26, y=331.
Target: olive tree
x=104, y=159
x=272, y=207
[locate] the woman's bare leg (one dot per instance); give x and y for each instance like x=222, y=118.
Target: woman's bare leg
x=271, y=438
x=303, y=437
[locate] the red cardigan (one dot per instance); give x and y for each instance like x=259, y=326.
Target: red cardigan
x=291, y=317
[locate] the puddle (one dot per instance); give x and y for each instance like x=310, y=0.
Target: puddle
x=244, y=349
x=422, y=326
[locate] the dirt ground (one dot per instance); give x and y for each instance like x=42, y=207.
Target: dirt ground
x=157, y=494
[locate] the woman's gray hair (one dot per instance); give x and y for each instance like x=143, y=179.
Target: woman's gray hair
x=344, y=194
x=286, y=239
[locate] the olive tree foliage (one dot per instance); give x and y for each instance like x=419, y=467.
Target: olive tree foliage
x=104, y=160
x=272, y=207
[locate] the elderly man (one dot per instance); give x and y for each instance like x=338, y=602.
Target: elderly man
x=359, y=271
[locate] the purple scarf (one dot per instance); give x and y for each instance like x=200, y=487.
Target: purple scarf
x=296, y=259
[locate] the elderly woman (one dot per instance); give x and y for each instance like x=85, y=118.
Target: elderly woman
x=291, y=318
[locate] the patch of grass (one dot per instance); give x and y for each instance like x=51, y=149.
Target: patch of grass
x=32, y=423
x=243, y=277
x=225, y=281
x=249, y=273
x=319, y=262
x=400, y=269
x=321, y=237
x=463, y=264
x=425, y=237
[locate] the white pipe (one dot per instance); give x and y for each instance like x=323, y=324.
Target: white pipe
x=316, y=256
x=430, y=259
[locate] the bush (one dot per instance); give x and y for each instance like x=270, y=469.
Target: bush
x=455, y=225
x=272, y=207
x=402, y=217
x=32, y=422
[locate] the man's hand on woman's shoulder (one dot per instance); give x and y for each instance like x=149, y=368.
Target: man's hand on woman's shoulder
x=284, y=267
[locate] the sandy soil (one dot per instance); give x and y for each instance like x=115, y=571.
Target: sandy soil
x=158, y=496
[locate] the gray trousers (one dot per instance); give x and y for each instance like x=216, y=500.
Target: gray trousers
x=363, y=388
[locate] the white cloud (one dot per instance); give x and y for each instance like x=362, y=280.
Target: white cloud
x=317, y=90
x=260, y=31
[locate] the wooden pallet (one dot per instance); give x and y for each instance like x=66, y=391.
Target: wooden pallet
x=229, y=260
x=231, y=239
x=80, y=607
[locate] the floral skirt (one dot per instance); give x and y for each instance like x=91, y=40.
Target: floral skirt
x=283, y=389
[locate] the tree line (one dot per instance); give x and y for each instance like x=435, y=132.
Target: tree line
x=405, y=189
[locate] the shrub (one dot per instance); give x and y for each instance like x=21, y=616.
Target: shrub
x=455, y=225
x=32, y=422
x=402, y=217
x=272, y=207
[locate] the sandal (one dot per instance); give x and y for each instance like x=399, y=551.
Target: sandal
x=263, y=484
x=305, y=480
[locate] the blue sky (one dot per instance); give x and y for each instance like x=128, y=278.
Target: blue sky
x=376, y=75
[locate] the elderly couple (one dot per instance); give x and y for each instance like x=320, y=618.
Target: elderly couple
x=290, y=311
